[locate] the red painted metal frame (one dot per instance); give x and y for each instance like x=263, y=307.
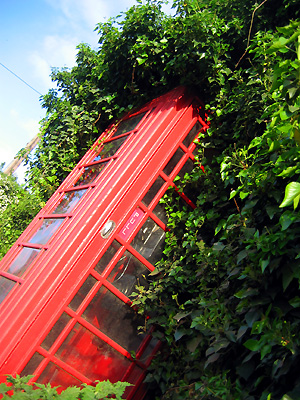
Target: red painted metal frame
x=44, y=292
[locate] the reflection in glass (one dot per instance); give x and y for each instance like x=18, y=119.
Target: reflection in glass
x=128, y=273
x=160, y=212
x=6, y=285
x=149, y=350
x=110, y=148
x=114, y=318
x=149, y=196
x=149, y=241
x=23, y=261
x=107, y=257
x=173, y=162
x=188, y=189
x=192, y=134
x=82, y=292
x=69, y=201
x=32, y=364
x=55, y=331
x=91, y=356
x=128, y=124
x=57, y=377
x=90, y=174
x=46, y=230
x=187, y=168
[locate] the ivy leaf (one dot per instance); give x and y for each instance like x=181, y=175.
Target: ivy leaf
x=213, y=358
x=264, y=264
x=179, y=333
x=181, y=315
x=295, y=302
x=252, y=344
x=292, y=191
x=287, y=277
x=279, y=44
x=286, y=220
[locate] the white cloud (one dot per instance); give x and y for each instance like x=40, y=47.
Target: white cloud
x=29, y=127
x=90, y=12
x=55, y=52
x=60, y=49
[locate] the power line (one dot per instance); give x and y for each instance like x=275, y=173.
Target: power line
x=21, y=79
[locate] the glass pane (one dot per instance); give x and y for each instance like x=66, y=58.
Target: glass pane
x=32, y=364
x=90, y=174
x=128, y=125
x=149, y=241
x=91, y=356
x=82, y=292
x=107, y=257
x=110, y=148
x=69, y=201
x=128, y=273
x=187, y=168
x=23, y=261
x=46, y=230
x=174, y=161
x=115, y=318
x=56, y=331
x=57, y=377
x=192, y=134
x=148, y=350
x=160, y=212
x=133, y=378
x=149, y=196
x=188, y=189
x=6, y=285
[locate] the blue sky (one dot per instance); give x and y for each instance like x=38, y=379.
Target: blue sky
x=36, y=35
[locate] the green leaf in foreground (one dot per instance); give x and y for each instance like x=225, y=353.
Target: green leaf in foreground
x=292, y=194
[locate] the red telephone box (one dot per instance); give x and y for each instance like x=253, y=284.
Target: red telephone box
x=65, y=285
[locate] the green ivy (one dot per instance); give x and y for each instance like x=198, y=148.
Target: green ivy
x=18, y=388
x=17, y=208
x=225, y=298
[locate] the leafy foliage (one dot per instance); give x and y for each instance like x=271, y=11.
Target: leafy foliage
x=225, y=298
x=18, y=388
x=17, y=209
x=140, y=56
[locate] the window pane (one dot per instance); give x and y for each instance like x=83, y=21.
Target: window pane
x=149, y=196
x=90, y=174
x=56, y=330
x=91, y=356
x=160, y=212
x=110, y=148
x=46, y=231
x=82, y=292
x=149, y=241
x=128, y=273
x=148, y=350
x=69, y=201
x=32, y=364
x=187, y=168
x=6, y=285
x=188, y=189
x=115, y=318
x=173, y=162
x=107, y=257
x=57, y=377
x=128, y=125
x=192, y=134
x=23, y=261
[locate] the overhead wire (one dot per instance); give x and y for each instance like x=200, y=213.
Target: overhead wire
x=21, y=79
